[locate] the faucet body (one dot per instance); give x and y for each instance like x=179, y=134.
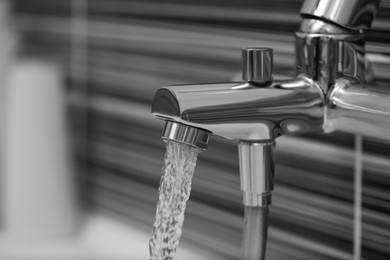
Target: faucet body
x=242, y=111
x=328, y=94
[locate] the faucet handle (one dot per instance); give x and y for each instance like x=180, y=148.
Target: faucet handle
x=257, y=65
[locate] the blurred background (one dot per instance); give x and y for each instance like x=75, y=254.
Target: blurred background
x=93, y=185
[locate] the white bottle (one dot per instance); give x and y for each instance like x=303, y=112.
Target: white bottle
x=37, y=194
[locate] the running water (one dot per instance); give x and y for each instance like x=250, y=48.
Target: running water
x=358, y=193
x=174, y=191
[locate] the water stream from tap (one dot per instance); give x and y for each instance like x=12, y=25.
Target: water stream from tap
x=358, y=194
x=175, y=186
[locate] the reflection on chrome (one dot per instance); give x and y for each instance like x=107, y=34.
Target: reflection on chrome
x=244, y=111
x=186, y=134
x=352, y=14
x=359, y=109
x=329, y=94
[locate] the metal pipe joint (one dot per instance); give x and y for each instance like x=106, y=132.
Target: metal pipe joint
x=257, y=163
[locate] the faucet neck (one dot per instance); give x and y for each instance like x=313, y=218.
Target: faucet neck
x=326, y=56
x=351, y=14
x=331, y=43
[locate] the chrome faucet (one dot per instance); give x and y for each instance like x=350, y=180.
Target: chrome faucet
x=328, y=94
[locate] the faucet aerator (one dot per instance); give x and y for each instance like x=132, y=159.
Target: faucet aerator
x=186, y=134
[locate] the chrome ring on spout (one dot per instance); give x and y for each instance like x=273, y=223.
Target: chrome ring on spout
x=186, y=134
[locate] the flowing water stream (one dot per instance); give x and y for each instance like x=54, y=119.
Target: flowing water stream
x=174, y=191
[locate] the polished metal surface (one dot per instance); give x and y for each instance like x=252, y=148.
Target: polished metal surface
x=257, y=162
x=359, y=109
x=315, y=26
x=186, y=134
x=242, y=111
x=351, y=14
x=329, y=94
x=334, y=58
x=257, y=65
x=324, y=57
x=254, y=239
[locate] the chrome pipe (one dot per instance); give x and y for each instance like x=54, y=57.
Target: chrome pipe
x=257, y=163
x=359, y=109
x=254, y=239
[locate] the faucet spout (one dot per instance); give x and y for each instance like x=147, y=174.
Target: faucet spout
x=243, y=111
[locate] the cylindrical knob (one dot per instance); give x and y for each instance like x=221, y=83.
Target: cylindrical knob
x=257, y=65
